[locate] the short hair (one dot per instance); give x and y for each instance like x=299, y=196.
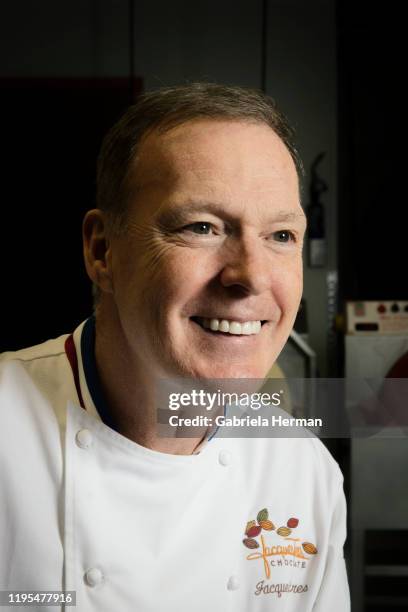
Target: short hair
x=166, y=108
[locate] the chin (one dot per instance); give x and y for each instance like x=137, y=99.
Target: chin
x=237, y=371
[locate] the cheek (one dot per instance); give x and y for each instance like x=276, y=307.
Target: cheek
x=298, y=281
x=158, y=277
x=288, y=288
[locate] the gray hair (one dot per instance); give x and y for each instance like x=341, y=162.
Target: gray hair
x=165, y=109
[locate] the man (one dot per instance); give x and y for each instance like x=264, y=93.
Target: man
x=194, y=252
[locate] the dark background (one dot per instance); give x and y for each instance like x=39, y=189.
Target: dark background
x=67, y=71
x=372, y=139
x=51, y=131
x=337, y=68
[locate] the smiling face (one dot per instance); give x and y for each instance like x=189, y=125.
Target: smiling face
x=213, y=242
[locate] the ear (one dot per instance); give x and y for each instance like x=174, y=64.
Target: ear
x=96, y=247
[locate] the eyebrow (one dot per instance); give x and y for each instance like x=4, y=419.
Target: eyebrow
x=179, y=213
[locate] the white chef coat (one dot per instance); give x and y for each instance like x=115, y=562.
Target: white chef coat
x=84, y=508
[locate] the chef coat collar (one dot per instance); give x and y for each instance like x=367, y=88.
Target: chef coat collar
x=88, y=382
x=91, y=372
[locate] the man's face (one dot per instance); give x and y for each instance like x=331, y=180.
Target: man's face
x=215, y=234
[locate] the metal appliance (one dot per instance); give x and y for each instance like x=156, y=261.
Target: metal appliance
x=377, y=340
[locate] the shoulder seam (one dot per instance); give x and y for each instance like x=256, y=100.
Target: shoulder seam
x=25, y=359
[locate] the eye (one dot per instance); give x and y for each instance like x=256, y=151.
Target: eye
x=284, y=236
x=202, y=228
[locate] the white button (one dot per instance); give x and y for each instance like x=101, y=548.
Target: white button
x=233, y=583
x=93, y=576
x=224, y=457
x=84, y=438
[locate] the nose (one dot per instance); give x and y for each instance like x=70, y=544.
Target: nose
x=247, y=265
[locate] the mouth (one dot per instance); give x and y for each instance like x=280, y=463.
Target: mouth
x=229, y=327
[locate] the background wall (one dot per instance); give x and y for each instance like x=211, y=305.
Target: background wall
x=302, y=77
x=71, y=38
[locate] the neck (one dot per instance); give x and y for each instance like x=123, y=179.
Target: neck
x=128, y=385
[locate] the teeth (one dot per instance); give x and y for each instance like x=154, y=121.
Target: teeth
x=256, y=327
x=224, y=326
x=246, y=328
x=232, y=327
x=235, y=328
x=214, y=324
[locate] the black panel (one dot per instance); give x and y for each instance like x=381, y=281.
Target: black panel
x=372, y=136
x=51, y=131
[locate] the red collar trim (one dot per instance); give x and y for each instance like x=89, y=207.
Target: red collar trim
x=73, y=361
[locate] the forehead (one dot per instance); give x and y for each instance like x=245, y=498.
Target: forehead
x=223, y=159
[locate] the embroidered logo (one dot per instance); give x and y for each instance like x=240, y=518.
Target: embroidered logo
x=290, y=547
